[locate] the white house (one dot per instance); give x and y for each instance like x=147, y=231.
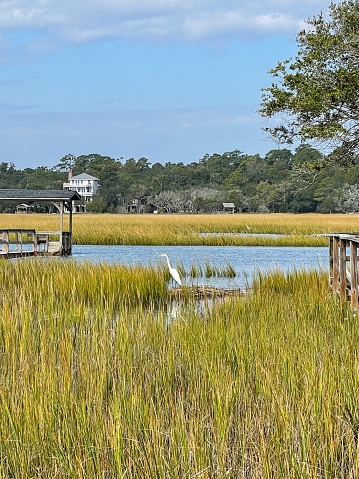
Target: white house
x=85, y=185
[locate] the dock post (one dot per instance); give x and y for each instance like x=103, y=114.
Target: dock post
x=34, y=243
x=16, y=234
x=70, y=229
x=61, y=227
x=354, y=275
x=5, y=245
x=330, y=261
x=343, y=269
x=335, y=280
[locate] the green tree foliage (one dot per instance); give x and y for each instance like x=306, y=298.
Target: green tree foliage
x=10, y=177
x=317, y=93
x=277, y=182
x=66, y=163
x=43, y=178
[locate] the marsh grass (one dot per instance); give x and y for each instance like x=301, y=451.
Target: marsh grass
x=189, y=229
x=208, y=269
x=69, y=282
x=96, y=381
x=212, y=269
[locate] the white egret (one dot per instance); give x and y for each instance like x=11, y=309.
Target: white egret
x=174, y=273
x=248, y=228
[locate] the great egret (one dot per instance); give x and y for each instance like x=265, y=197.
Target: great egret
x=248, y=228
x=174, y=273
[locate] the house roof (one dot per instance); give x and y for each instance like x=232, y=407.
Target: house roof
x=83, y=176
x=39, y=195
x=228, y=205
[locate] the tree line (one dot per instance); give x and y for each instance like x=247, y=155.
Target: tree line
x=280, y=181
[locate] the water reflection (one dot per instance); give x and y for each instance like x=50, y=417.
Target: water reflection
x=181, y=310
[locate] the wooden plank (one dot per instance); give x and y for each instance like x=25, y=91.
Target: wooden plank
x=70, y=220
x=335, y=254
x=5, y=238
x=344, y=236
x=34, y=243
x=15, y=230
x=330, y=262
x=343, y=270
x=61, y=224
x=54, y=247
x=69, y=250
x=354, y=275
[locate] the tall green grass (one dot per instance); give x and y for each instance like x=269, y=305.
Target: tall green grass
x=208, y=269
x=68, y=282
x=91, y=386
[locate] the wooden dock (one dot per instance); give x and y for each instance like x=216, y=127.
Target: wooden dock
x=16, y=243
x=343, y=266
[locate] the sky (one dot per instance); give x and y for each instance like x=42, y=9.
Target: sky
x=169, y=80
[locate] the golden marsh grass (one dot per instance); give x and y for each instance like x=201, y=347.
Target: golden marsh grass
x=187, y=229
x=98, y=381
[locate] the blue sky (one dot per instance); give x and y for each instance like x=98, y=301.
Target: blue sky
x=170, y=80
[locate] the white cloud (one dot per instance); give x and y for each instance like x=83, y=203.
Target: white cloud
x=173, y=20
x=240, y=23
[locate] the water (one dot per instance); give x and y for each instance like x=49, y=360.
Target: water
x=245, y=260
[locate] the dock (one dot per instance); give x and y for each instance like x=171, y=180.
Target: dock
x=343, y=266
x=15, y=243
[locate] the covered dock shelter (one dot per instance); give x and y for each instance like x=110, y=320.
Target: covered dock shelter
x=29, y=242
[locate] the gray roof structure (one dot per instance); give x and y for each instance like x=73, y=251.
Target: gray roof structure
x=83, y=176
x=38, y=195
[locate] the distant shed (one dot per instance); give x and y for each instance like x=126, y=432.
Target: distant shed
x=24, y=208
x=228, y=207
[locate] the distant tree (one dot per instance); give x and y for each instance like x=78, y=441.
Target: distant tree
x=350, y=198
x=305, y=154
x=66, y=163
x=251, y=171
x=98, y=204
x=172, y=202
x=279, y=165
x=43, y=178
x=10, y=177
x=207, y=200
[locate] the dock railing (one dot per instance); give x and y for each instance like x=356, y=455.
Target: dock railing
x=28, y=242
x=18, y=241
x=343, y=266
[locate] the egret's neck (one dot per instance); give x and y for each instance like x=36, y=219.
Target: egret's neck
x=168, y=262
